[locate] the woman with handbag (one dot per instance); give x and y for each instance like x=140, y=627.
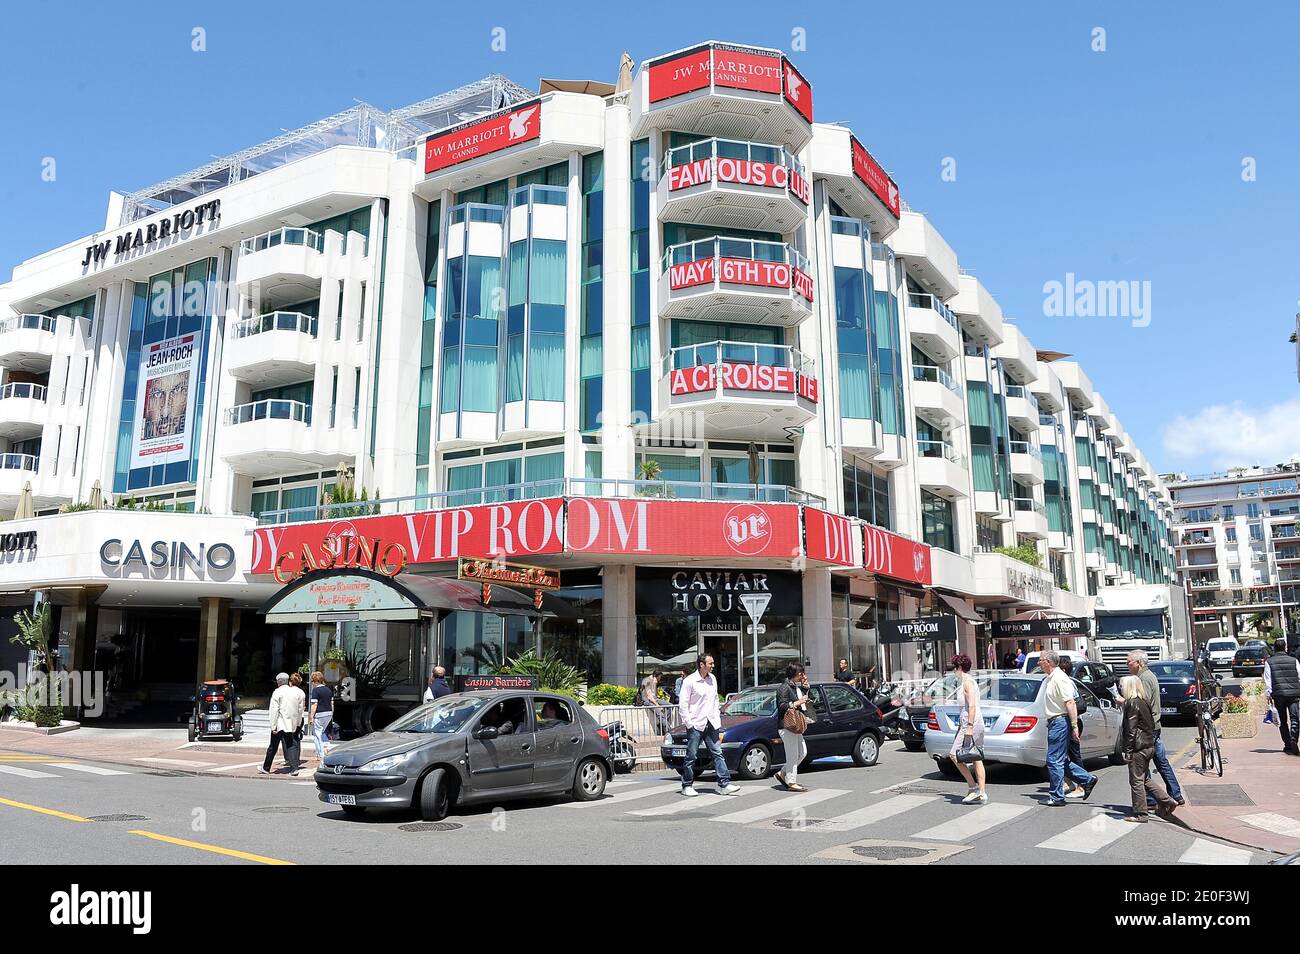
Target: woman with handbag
x=1139, y=744
x=792, y=720
x=968, y=747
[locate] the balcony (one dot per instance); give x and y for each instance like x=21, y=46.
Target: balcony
x=933, y=325
x=941, y=470
x=1030, y=518
x=724, y=183
x=1194, y=539
x=27, y=343
x=1027, y=462
x=723, y=279
x=15, y=471
x=22, y=411
x=1208, y=581
x=854, y=179
x=737, y=391
x=719, y=89
x=936, y=396
x=926, y=253
x=281, y=266
x=1017, y=354
x=1022, y=407
x=978, y=311
x=273, y=349
x=273, y=436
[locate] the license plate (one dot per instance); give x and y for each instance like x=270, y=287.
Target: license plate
x=214, y=726
x=341, y=799
x=677, y=752
x=1169, y=710
x=919, y=725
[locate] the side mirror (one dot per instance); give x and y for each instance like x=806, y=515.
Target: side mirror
x=485, y=732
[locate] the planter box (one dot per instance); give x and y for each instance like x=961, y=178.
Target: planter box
x=1239, y=725
x=64, y=726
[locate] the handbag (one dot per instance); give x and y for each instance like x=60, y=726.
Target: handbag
x=970, y=752
x=796, y=720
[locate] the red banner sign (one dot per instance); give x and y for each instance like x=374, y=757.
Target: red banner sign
x=483, y=136
x=769, y=175
x=743, y=271
x=888, y=554
x=743, y=377
x=802, y=282
x=728, y=67
x=875, y=178
x=683, y=73
x=797, y=91
x=735, y=68
x=682, y=528
x=828, y=537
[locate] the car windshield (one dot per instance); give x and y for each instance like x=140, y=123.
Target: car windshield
x=1220, y=647
x=1173, y=670
x=1031, y=665
x=752, y=702
x=449, y=714
x=1250, y=652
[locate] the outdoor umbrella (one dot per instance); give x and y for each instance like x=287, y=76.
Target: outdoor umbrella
x=96, y=496
x=25, y=509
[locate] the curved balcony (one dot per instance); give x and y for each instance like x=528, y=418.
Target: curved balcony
x=736, y=279
x=272, y=436
x=727, y=183
x=1030, y=518
x=1027, y=462
x=941, y=470
x=934, y=326
x=937, y=396
x=720, y=89
x=1022, y=407
x=22, y=411
x=737, y=390
x=15, y=471
x=27, y=343
x=281, y=266
x=272, y=349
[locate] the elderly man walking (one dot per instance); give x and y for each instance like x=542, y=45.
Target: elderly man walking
x=287, y=707
x=1138, y=665
x=1062, y=726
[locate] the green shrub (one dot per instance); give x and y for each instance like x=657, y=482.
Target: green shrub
x=606, y=694
x=1025, y=553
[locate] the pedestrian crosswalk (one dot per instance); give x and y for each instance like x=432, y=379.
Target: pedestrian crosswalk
x=929, y=816
x=38, y=767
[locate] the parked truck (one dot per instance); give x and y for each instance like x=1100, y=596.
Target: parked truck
x=1151, y=618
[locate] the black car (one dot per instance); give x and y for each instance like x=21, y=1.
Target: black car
x=1249, y=661
x=1177, y=679
x=1098, y=677
x=846, y=724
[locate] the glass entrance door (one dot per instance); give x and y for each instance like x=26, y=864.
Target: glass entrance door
x=725, y=649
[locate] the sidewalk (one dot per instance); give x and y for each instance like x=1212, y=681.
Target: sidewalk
x=1256, y=803
x=164, y=749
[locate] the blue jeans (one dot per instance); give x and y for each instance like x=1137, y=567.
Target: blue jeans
x=710, y=736
x=1059, y=763
x=1166, y=772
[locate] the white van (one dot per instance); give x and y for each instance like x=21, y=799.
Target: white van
x=1221, y=650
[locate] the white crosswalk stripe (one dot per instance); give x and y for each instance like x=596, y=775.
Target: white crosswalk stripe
x=25, y=773
x=785, y=805
x=629, y=794
x=183, y=763
x=88, y=769
x=974, y=823
x=1091, y=836
x=862, y=817
x=1204, y=852
x=703, y=802
x=1271, y=821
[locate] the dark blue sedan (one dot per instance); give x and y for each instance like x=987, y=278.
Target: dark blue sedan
x=847, y=724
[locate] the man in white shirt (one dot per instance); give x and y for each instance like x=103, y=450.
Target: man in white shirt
x=698, y=703
x=1062, y=726
x=287, y=707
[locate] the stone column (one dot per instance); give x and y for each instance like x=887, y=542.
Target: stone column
x=214, y=638
x=76, y=630
x=618, y=618
x=818, y=643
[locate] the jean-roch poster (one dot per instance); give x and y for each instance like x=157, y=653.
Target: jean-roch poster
x=165, y=396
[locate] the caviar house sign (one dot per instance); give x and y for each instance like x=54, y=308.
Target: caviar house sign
x=669, y=592
x=177, y=227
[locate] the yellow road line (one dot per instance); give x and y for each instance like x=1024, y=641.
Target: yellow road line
x=215, y=849
x=44, y=811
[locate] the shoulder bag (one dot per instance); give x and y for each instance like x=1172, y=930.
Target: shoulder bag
x=795, y=721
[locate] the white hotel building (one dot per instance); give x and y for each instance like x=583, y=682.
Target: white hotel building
x=678, y=342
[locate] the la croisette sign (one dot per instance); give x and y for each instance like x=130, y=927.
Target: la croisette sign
x=594, y=526
x=743, y=377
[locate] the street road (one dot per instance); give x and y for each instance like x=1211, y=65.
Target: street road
x=74, y=812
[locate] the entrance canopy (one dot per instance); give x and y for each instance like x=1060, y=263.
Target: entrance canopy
x=355, y=594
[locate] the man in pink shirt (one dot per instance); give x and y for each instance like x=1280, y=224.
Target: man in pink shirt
x=703, y=717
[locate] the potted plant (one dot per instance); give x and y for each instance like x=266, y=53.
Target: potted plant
x=1237, y=721
x=332, y=664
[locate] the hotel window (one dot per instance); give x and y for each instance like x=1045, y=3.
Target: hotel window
x=889, y=364
x=979, y=401
x=356, y=399
x=358, y=220
x=361, y=314
x=591, y=369
x=641, y=173
x=852, y=292
x=472, y=309
x=76, y=452
x=58, y=446
x=85, y=379
x=536, y=315
x=428, y=348
x=938, y=528
x=338, y=316
x=988, y=533
x=334, y=395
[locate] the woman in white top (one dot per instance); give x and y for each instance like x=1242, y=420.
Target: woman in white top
x=970, y=732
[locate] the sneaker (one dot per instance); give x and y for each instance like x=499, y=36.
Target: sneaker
x=974, y=796
x=1075, y=793
x=729, y=790
x=1088, y=787
x=262, y=771
x=1135, y=819
x=1054, y=802
x=689, y=792
x=295, y=773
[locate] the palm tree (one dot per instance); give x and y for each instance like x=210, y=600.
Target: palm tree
x=1260, y=622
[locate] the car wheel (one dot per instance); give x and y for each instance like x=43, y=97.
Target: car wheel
x=353, y=811
x=589, y=781
x=914, y=746
x=193, y=734
x=435, y=797
x=755, y=762
x=946, y=767
x=866, y=750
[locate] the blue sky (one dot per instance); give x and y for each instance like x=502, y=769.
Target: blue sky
x=1122, y=165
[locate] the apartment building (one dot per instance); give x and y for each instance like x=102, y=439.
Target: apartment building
x=674, y=341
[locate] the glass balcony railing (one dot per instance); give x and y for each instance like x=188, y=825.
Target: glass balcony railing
x=29, y=323
x=277, y=321
x=31, y=392
x=1024, y=447
x=928, y=372
x=843, y=225
x=1028, y=505
x=269, y=410
x=284, y=236
x=749, y=250
x=920, y=300
x=18, y=462
x=730, y=149
x=1022, y=392
x=478, y=212
x=739, y=352
x=537, y=195
x=558, y=487
x=941, y=450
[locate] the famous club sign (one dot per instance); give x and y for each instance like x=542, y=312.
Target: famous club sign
x=727, y=170
x=482, y=137
x=724, y=67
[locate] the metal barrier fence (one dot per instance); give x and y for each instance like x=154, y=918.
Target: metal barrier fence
x=644, y=723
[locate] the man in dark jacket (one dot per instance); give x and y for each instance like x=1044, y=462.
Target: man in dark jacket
x=1139, y=739
x=437, y=685
x=1282, y=682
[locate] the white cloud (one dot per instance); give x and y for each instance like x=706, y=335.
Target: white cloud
x=1232, y=435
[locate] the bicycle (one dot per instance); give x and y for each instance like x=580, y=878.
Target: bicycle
x=1207, y=737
